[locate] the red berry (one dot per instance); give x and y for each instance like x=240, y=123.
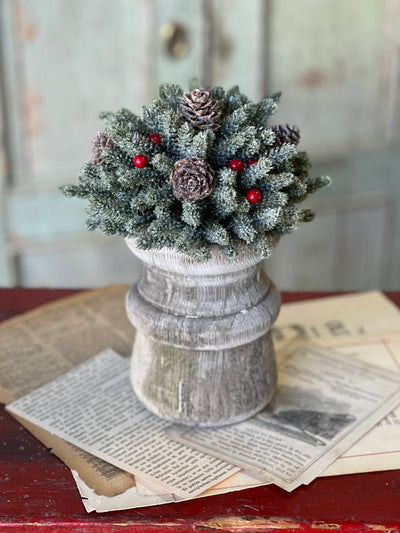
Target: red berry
x=251, y=162
x=253, y=196
x=140, y=161
x=155, y=138
x=236, y=164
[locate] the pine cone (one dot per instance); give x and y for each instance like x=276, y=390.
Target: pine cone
x=192, y=179
x=286, y=134
x=100, y=142
x=200, y=110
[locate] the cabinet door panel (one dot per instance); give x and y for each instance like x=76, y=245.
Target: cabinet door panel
x=62, y=63
x=337, y=64
x=71, y=60
x=334, y=62
x=346, y=247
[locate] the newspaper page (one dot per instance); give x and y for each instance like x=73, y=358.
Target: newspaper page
x=93, y=407
x=379, y=449
x=359, y=324
x=337, y=317
x=149, y=494
x=239, y=481
x=105, y=478
x=128, y=499
x=324, y=403
x=42, y=344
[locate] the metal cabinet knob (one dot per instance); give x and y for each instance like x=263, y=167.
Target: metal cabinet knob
x=174, y=37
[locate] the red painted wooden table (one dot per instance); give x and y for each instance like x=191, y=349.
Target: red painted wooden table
x=37, y=491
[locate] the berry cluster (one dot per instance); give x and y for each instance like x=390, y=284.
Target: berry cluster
x=252, y=195
x=237, y=165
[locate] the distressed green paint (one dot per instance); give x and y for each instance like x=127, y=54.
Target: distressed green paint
x=347, y=249
x=372, y=174
x=51, y=213
x=165, y=67
x=11, y=77
x=63, y=61
x=78, y=58
x=239, y=37
x=328, y=59
x=6, y=274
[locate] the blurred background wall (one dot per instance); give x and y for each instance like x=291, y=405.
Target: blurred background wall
x=336, y=62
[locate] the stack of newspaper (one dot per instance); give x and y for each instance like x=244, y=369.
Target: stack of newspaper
x=64, y=373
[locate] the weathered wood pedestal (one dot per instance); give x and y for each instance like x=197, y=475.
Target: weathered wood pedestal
x=203, y=353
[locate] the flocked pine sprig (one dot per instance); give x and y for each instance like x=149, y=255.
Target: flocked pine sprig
x=192, y=213
x=198, y=170
x=313, y=184
x=171, y=94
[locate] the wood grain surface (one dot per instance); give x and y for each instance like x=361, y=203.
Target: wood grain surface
x=203, y=353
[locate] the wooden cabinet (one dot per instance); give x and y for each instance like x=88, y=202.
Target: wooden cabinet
x=63, y=61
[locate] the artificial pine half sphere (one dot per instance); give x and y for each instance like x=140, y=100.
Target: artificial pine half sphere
x=201, y=127
x=236, y=164
x=253, y=196
x=140, y=161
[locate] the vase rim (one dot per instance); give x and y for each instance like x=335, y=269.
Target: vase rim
x=170, y=259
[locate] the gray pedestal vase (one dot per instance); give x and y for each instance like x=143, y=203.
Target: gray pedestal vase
x=203, y=353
